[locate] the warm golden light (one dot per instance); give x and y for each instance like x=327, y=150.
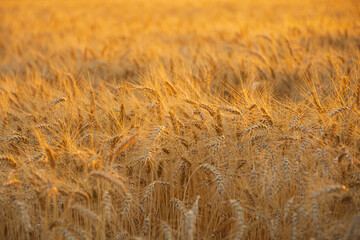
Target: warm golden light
x=201, y=119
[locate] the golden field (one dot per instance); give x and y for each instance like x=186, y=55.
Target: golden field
x=180, y=119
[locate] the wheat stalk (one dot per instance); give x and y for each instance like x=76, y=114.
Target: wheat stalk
x=24, y=216
x=218, y=177
x=167, y=230
x=58, y=100
x=109, y=178
x=240, y=219
x=86, y=212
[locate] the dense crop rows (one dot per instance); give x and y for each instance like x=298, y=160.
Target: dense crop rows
x=158, y=120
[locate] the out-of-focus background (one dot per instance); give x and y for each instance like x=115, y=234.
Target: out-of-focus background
x=278, y=41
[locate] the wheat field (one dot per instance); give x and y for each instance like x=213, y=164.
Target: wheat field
x=180, y=119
